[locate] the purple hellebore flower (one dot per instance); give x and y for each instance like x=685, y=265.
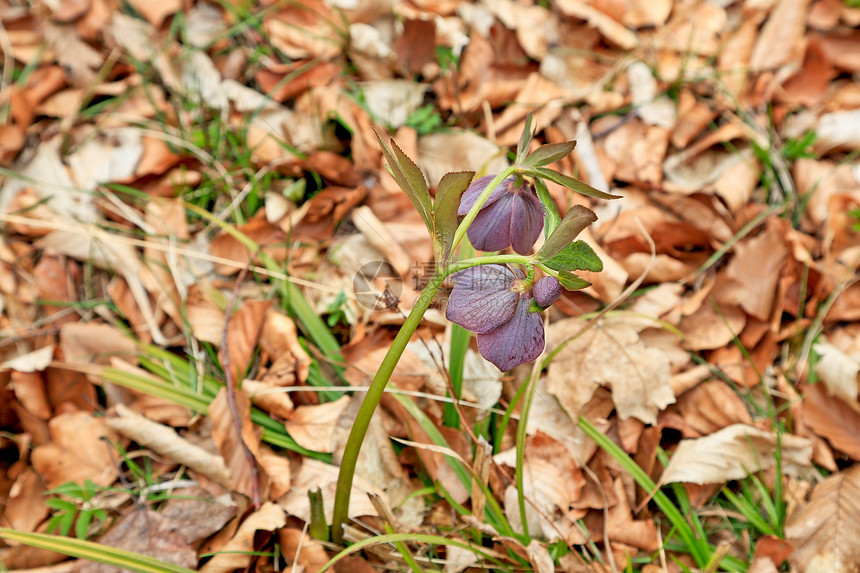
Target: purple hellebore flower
x=512, y=215
x=490, y=301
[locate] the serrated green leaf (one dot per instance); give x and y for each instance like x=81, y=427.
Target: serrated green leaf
x=570, y=281
x=406, y=179
x=550, y=153
x=448, y=195
x=551, y=218
x=525, y=139
x=575, y=220
x=577, y=256
x=413, y=175
x=569, y=182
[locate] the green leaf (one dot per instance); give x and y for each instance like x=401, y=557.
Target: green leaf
x=550, y=153
x=83, y=524
x=569, y=182
x=60, y=504
x=577, y=256
x=409, y=178
x=525, y=139
x=448, y=195
x=551, y=218
x=575, y=220
x=570, y=281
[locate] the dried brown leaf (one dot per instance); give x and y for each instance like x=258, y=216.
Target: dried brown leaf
x=831, y=418
x=313, y=427
x=611, y=355
x=230, y=443
x=781, y=40
x=825, y=532
x=25, y=507
x=733, y=453
x=165, y=442
x=314, y=474
x=156, y=11
x=168, y=535
x=709, y=328
x=243, y=333
x=35, y=361
x=711, y=406
x=299, y=548
x=839, y=372
x=79, y=450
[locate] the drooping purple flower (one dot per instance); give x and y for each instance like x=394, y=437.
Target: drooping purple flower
x=491, y=301
x=512, y=215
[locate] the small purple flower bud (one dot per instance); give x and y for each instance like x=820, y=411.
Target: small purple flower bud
x=546, y=291
x=512, y=215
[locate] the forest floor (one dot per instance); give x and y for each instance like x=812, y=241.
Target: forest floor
x=204, y=260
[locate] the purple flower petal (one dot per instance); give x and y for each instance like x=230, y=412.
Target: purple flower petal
x=526, y=222
x=515, y=342
x=490, y=231
x=477, y=187
x=546, y=291
x=482, y=298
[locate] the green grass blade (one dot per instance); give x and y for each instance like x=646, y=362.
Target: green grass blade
x=405, y=537
x=460, y=338
x=125, y=560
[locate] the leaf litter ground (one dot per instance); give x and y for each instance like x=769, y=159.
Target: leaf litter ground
x=725, y=363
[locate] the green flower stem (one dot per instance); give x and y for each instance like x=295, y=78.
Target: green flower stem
x=380, y=381
x=371, y=400
x=473, y=212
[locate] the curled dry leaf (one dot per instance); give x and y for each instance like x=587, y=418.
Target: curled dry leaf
x=25, y=507
x=710, y=328
x=168, y=535
x=35, y=361
x=279, y=340
x=269, y=398
x=315, y=474
x=832, y=418
x=165, y=442
x=825, y=532
x=86, y=343
x=838, y=372
x=243, y=333
x=313, y=427
x=238, y=552
x=610, y=354
x=552, y=482
x=230, y=443
x=79, y=450
x=734, y=453
x=299, y=548
x=711, y=406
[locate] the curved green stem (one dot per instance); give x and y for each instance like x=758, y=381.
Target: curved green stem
x=371, y=400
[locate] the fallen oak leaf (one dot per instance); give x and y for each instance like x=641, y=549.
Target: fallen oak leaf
x=612, y=355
